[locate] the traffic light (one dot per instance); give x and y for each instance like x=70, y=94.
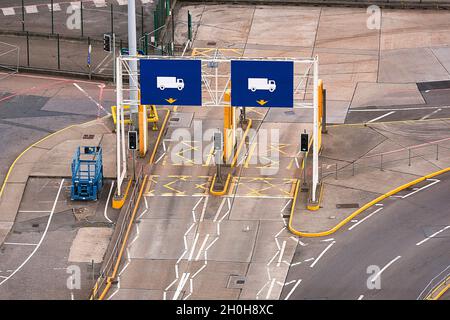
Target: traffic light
x=107, y=41
x=304, y=141
x=132, y=140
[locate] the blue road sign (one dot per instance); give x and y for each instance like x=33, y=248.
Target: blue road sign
x=262, y=83
x=171, y=82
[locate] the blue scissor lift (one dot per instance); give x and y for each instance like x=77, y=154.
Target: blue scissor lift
x=87, y=173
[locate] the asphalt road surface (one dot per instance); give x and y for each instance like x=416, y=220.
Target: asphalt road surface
x=396, y=248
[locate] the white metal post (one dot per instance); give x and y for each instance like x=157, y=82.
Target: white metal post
x=132, y=51
x=119, y=99
x=315, y=178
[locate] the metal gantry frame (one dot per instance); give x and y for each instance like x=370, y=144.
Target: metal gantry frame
x=216, y=78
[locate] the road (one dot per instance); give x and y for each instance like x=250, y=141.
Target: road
x=403, y=243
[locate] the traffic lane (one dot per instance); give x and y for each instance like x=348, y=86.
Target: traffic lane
x=394, y=231
x=371, y=115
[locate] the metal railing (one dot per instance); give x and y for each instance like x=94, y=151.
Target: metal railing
x=405, y=156
x=108, y=271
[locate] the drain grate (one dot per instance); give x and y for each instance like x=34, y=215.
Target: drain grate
x=211, y=43
x=174, y=119
x=347, y=205
x=88, y=136
x=236, y=282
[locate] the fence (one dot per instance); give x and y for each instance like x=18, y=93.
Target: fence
x=404, y=156
x=118, y=243
x=48, y=43
x=436, y=286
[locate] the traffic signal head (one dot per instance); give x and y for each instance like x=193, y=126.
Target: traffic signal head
x=107, y=41
x=304, y=141
x=132, y=140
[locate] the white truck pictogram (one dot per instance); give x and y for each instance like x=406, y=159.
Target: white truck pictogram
x=169, y=83
x=261, y=84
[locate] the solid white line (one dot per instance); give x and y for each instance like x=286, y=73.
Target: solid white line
x=365, y=218
x=361, y=297
x=220, y=209
x=107, y=203
x=270, y=289
x=397, y=109
x=210, y=245
x=381, y=117
x=204, y=208
x=432, y=236
x=323, y=252
x=293, y=289
x=193, y=246
x=33, y=211
x=201, y=247
x=181, y=284
x=384, y=268
x=429, y=115
x=198, y=271
x=20, y=244
x=420, y=189
x=283, y=246
x=92, y=99
x=43, y=235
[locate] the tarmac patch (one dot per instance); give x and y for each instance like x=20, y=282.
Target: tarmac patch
x=90, y=244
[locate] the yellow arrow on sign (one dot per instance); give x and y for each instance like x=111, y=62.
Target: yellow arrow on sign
x=171, y=100
x=261, y=102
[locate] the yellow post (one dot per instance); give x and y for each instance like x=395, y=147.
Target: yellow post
x=143, y=130
x=229, y=127
x=320, y=89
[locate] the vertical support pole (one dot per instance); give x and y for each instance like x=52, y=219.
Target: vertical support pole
x=315, y=178
x=112, y=18
x=114, y=56
x=28, y=49
x=189, y=26
x=82, y=20
x=23, y=16
x=59, y=56
x=142, y=20
x=53, y=22
x=133, y=63
x=118, y=124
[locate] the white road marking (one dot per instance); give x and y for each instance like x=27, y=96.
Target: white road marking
x=283, y=247
x=376, y=276
x=201, y=247
x=56, y=7
x=122, y=2
x=361, y=297
x=432, y=236
x=42, y=238
x=20, y=244
x=321, y=255
x=365, y=218
x=105, y=212
x=431, y=114
x=424, y=187
x=8, y=11
x=100, y=3
x=381, y=117
x=31, y=9
x=193, y=246
x=293, y=289
x=181, y=285
x=270, y=289
x=90, y=98
x=398, y=109
x=75, y=4
x=219, y=210
x=34, y=211
x=328, y=240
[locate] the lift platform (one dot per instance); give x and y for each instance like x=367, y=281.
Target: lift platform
x=87, y=173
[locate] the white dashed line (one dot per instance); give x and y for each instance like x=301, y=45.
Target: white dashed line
x=432, y=236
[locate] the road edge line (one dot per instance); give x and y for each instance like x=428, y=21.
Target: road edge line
x=360, y=210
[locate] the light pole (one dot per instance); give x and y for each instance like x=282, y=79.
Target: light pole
x=132, y=51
